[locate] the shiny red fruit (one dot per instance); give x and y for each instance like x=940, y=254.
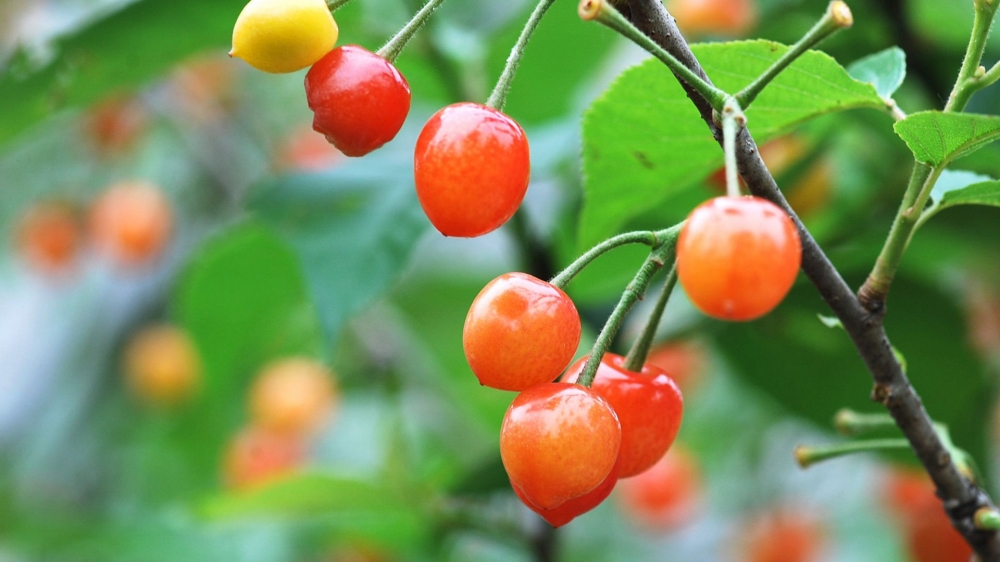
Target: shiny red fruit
x=568, y=511
x=558, y=441
x=667, y=495
x=520, y=331
x=737, y=258
x=649, y=407
x=471, y=168
x=359, y=99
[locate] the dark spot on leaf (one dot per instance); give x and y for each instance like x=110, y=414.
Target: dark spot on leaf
x=643, y=159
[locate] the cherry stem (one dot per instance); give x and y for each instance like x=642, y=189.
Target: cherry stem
x=647, y=237
x=636, y=357
x=335, y=5
x=838, y=16
x=732, y=121
x=605, y=13
x=851, y=423
x=987, y=519
x=807, y=456
x=658, y=257
x=498, y=97
x=394, y=46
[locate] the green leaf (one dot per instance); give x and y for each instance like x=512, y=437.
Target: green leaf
x=957, y=187
x=352, y=229
x=937, y=138
x=644, y=143
x=244, y=302
x=885, y=70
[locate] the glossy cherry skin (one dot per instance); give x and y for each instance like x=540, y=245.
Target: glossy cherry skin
x=666, y=496
x=649, y=407
x=471, y=169
x=358, y=98
x=558, y=441
x=737, y=258
x=520, y=331
x=730, y=18
x=569, y=510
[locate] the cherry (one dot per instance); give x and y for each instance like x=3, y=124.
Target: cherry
x=471, y=169
x=649, y=407
x=162, y=365
x=292, y=396
x=359, y=99
x=48, y=237
x=114, y=125
x=667, y=495
x=131, y=222
x=257, y=456
x=282, y=36
x=520, y=331
x=569, y=510
x=685, y=360
x=929, y=534
x=737, y=258
x=732, y=18
x=558, y=441
x=783, y=536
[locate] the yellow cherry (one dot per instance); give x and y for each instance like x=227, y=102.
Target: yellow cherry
x=280, y=36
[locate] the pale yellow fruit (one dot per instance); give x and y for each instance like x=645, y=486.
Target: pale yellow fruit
x=162, y=365
x=280, y=36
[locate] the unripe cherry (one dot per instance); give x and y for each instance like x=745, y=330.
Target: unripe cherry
x=359, y=99
x=558, y=441
x=737, y=257
x=471, y=168
x=520, y=331
x=281, y=36
x=648, y=404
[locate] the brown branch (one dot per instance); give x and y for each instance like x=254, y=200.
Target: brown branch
x=959, y=496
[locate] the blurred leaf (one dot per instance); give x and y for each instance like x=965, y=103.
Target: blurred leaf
x=885, y=70
x=937, y=138
x=244, y=302
x=644, y=143
x=308, y=494
x=956, y=187
x=813, y=371
x=352, y=229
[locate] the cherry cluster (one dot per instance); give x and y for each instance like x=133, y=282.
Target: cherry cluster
x=564, y=445
x=467, y=156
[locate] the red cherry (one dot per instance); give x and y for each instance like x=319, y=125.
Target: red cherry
x=667, y=495
x=471, y=168
x=737, y=258
x=568, y=511
x=359, y=99
x=558, y=441
x=649, y=407
x=520, y=331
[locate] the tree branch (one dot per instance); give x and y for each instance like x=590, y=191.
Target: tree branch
x=961, y=498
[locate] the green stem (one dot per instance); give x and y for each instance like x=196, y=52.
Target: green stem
x=838, y=16
x=877, y=285
x=968, y=82
x=808, y=456
x=335, y=5
x=660, y=255
x=498, y=97
x=605, y=13
x=732, y=120
x=991, y=76
x=849, y=422
x=647, y=237
x=987, y=519
x=394, y=46
x=636, y=357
